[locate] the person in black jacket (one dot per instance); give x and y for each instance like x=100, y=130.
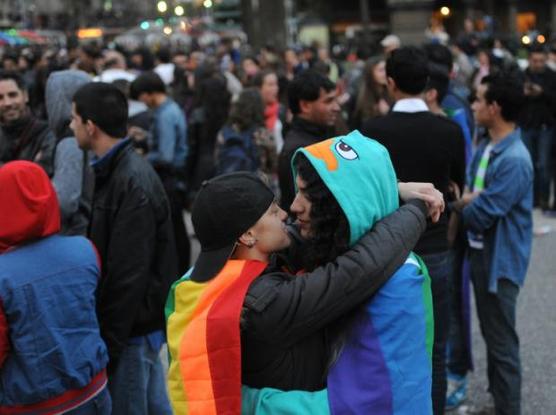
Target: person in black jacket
x=132, y=230
x=22, y=135
x=313, y=102
x=538, y=119
x=424, y=147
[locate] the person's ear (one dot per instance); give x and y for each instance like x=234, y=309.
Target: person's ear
x=431, y=95
x=90, y=127
x=305, y=106
x=248, y=239
x=495, y=109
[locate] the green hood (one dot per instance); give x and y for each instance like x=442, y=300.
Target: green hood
x=359, y=173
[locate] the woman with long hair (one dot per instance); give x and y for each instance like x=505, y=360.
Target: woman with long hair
x=210, y=111
x=372, y=99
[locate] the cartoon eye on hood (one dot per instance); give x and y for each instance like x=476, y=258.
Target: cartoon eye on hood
x=345, y=151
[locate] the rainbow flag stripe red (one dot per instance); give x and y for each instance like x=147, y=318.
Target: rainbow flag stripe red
x=202, y=322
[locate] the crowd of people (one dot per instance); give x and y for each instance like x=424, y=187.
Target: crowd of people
x=315, y=291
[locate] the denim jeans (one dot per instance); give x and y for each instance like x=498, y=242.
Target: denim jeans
x=138, y=386
x=99, y=405
x=539, y=143
x=496, y=312
x=458, y=346
x=439, y=270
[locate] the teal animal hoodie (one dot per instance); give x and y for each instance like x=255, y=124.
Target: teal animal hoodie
x=384, y=366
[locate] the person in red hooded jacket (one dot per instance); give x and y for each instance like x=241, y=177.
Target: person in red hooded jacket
x=52, y=358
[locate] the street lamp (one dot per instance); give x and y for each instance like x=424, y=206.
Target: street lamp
x=445, y=11
x=207, y=4
x=179, y=10
x=162, y=6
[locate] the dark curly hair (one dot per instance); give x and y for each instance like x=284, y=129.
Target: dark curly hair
x=329, y=225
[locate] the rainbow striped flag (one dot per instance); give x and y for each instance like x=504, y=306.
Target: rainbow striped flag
x=202, y=321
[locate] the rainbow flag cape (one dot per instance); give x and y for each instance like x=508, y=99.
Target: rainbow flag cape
x=202, y=321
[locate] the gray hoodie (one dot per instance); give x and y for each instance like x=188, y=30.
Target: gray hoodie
x=73, y=178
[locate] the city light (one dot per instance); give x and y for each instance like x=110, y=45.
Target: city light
x=90, y=33
x=445, y=11
x=525, y=40
x=541, y=39
x=145, y=25
x=179, y=10
x=207, y=4
x=167, y=30
x=162, y=6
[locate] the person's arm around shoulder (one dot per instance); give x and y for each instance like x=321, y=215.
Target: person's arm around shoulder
x=279, y=307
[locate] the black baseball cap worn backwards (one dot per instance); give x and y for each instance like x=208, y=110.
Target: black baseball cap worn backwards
x=224, y=209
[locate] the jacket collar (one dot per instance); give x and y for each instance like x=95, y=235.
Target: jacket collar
x=410, y=105
x=509, y=140
x=105, y=165
x=309, y=127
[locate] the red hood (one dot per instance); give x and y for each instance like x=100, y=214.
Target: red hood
x=28, y=204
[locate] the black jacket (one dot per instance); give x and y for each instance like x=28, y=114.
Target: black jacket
x=302, y=133
x=424, y=147
x=285, y=338
x=540, y=110
x=28, y=139
x=132, y=231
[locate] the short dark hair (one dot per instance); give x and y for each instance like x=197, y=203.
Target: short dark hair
x=439, y=80
x=407, y=66
x=537, y=48
x=306, y=87
x=13, y=76
x=439, y=55
x=103, y=104
x=164, y=55
x=506, y=89
x=147, y=82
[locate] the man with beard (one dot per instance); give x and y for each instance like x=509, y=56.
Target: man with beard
x=22, y=135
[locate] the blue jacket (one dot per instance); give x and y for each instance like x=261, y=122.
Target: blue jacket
x=503, y=210
x=47, y=290
x=169, y=136
x=237, y=151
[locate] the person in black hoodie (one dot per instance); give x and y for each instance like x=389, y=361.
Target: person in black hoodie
x=313, y=103
x=132, y=230
x=22, y=135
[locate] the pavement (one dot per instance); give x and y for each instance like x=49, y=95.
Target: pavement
x=536, y=325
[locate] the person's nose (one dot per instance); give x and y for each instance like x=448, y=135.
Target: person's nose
x=295, y=207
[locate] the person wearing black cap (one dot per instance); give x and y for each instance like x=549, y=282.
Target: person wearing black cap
x=243, y=316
